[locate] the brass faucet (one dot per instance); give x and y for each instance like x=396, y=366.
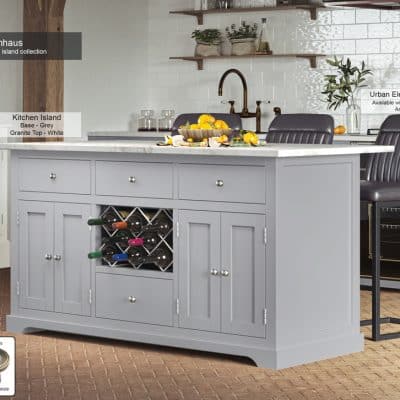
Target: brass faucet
x=245, y=111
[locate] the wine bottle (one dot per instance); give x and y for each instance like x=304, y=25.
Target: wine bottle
x=150, y=240
x=136, y=242
x=161, y=257
x=134, y=255
x=107, y=220
x=121, y=238
x=107, y=253
x=134, y=223
x=161, y=225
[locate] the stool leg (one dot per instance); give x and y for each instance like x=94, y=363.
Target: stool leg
x=376, y=271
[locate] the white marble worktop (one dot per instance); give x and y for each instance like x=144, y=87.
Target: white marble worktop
x=354, y=138
x=123, y=146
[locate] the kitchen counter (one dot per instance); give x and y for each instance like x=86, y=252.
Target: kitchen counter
x=263, y=242
x=137, y=147
x=354, y=139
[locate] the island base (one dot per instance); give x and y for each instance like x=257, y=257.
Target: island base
x=262, y=357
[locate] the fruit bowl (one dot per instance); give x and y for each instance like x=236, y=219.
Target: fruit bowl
x=199, y=134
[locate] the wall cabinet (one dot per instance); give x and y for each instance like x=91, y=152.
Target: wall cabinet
x=222, y=272
x=53, y=245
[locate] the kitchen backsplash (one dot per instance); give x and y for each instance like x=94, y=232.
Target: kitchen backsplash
x=370, y=35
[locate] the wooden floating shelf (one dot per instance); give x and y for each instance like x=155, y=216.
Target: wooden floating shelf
x=199, y=14
x=373, y=4
x=200, y=60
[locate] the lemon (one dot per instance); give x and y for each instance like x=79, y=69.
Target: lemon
x=194, y=126
x=219, y=124
x=206, y=126
x=254, y=140
x=189, y=140
x=206, y=118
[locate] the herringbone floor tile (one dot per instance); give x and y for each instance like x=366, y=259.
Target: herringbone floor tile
x=54, y=366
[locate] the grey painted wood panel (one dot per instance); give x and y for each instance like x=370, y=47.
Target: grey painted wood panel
x=317, y=231
x=153, y=299
x=72, y=270
x=54, y=176
x=227, y=183
x=199, y=254
x=243, y=291
x=134, y=179
x=35, y=241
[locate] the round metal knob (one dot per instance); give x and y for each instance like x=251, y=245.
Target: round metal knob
x=214, y=272
x=132, y=179
x=225, y=273
x=219, y=183
x=132, y=299
x=48, y=257
x=57, y=258
x=53, y=176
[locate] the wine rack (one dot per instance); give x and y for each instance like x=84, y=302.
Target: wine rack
x=160, y=241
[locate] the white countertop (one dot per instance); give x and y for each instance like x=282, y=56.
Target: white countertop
x=354, y=138
x=135, y=135
x=270, y=150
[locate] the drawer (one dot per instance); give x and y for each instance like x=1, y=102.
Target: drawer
x=135, y=299
x=54, y=176
x=238, y=184
x=134, y=179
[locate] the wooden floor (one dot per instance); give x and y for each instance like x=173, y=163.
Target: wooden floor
x=55, y=366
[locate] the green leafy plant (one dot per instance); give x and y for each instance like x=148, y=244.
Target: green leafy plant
x=244, y=31
x=207, y=36
x=340, y=88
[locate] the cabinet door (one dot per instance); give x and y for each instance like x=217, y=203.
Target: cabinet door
x=35, y=253
x=199, y=254
x=243, y=284
x=72, y=267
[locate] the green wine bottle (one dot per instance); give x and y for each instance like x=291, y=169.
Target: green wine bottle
x=106, y=253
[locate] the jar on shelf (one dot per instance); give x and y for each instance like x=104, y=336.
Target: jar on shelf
x=166, y=121
x=147, y=122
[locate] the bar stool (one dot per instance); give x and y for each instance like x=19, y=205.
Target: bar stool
x=301, y=129
x=382, y=188
x=233, y=120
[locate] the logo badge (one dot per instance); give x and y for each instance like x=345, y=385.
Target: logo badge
x=7, y=366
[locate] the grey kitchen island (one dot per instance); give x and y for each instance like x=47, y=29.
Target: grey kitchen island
x=264, y=244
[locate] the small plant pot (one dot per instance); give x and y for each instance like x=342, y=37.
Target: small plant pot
x=207, y=49
x=241, y=47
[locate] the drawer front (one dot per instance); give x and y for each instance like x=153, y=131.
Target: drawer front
x=134, y=299
x=238, y=184
x=54, y=176
x=134, y=179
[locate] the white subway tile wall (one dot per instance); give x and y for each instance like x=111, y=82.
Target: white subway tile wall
x=370, y=35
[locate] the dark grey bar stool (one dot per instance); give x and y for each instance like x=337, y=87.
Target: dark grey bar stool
x=233, y=120
x=382, y=189
x=301, y=129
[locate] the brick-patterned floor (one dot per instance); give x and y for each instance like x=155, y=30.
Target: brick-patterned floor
x=54, y=366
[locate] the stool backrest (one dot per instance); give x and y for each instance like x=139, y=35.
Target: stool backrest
x=385, y=167
x=233, y=120
x=301, y=128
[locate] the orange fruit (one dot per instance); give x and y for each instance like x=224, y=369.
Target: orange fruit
x=340, y=130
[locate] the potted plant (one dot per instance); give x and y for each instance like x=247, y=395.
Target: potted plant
x=341, y=88
x=208, y=42
x=243, y=39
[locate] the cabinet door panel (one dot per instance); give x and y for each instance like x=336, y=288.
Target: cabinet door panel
x=199, y=253
x=72, y=271
x=243, y=291
x=35, y=241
